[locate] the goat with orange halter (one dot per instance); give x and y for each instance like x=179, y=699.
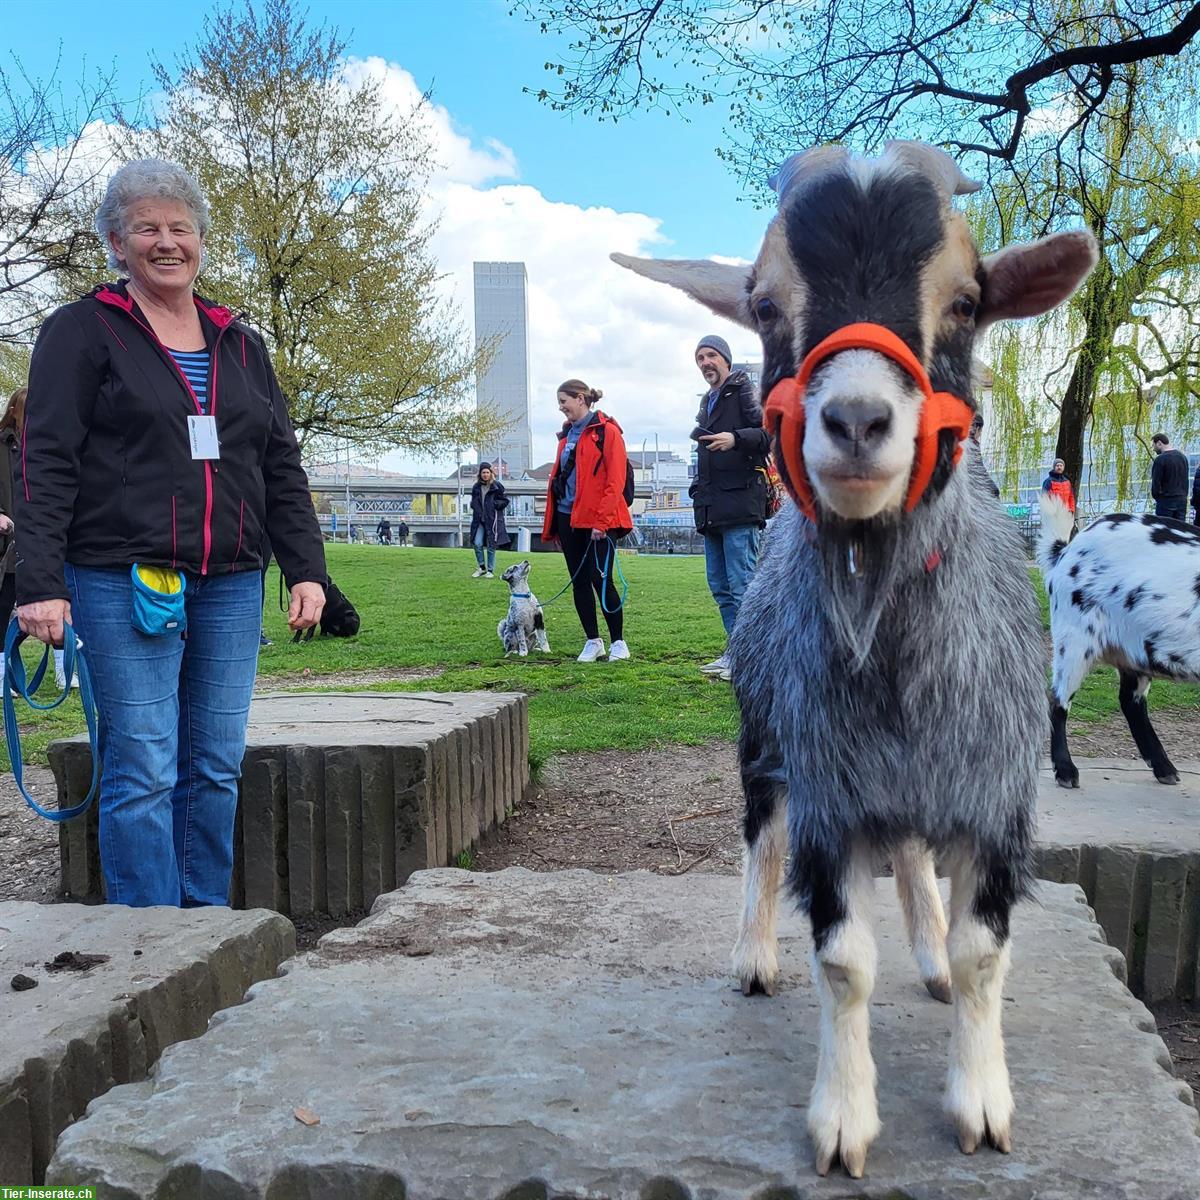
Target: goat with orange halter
x=887, y=657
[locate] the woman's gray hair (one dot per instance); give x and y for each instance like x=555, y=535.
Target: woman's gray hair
x=146, y=179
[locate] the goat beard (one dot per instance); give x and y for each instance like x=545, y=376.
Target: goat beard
x=860, y=564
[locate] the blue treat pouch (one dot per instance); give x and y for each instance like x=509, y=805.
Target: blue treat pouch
x=158, y=607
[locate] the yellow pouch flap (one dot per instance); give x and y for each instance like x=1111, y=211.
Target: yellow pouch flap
x=160, y=579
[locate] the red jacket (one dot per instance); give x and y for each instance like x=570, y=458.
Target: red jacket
x=1062, y=489
x=599, y=479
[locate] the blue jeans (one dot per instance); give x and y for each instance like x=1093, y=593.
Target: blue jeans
x=730, y=552
x=1171, y=508
x=480, y=541
x=173, y=715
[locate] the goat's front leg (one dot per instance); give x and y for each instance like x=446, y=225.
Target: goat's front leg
x=924, y=917
x=755, y=953
x=978, y=1096
x=843, y=1117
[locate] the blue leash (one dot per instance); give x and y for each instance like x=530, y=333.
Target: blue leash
x=15, y=682
x=610, y=552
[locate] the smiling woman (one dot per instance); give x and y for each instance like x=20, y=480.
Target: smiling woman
x=157, y=454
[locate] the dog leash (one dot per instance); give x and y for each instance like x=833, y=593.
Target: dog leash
x=603, y=569
x=15, y=682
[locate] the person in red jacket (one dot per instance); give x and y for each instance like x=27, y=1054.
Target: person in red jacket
x=1057, y=484
x=586, y=512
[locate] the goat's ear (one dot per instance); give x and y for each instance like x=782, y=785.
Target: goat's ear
x=719, y=286
x=1028, y=280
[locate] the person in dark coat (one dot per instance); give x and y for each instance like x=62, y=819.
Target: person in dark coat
x=1168, y=479
x=402, y=532
x=1196, y=498
x=729, y=493
x=488, y=531
x=10, y=442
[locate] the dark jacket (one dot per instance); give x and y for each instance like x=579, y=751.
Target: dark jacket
x=9, y=448
x=1169, y=477
x=488, y=511
x=105, y=474
x=1196, y=495
x=729, y=488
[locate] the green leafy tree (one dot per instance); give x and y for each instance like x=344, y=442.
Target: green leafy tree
x=318, y=232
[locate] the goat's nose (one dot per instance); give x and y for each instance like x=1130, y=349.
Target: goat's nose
x=857, y=422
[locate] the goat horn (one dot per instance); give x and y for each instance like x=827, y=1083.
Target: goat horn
x=806, y=163
x=935, y=164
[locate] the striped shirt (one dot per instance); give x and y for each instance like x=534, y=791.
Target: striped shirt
x=194, y=365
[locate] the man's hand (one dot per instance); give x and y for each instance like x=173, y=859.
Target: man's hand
x=308, y=599
x=43, y=619
x=6, y=525
x=719, y=441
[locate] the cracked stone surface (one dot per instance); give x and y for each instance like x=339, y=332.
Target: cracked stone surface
x=160, y=974
x=527, y=1035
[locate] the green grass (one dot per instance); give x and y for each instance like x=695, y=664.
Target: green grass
x=420, y=608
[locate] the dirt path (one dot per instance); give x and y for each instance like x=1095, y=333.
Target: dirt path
x=348, y=679
x=28, y=843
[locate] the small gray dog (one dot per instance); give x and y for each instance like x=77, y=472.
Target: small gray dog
x=524, y=623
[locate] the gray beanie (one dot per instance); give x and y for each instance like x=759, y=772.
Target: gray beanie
x=719, y=344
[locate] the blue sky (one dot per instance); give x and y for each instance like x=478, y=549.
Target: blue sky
x=521, y=182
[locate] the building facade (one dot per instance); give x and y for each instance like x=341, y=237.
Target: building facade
x=502, y=316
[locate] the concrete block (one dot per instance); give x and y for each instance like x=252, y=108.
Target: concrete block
x=305, y=777
x=1164, y=972
x=439, y=799
x=454, y=794
x=487, y=730
x=601, y=1050
x=343, y=831
x=416, y=844
x=263, y=801
x=378, y=808
x=78, y=1033
x=1116, y=868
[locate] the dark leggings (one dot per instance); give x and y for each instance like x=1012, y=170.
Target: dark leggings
x=577, y=547
x=8, y=597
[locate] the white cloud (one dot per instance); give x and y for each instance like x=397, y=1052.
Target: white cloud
x=461, y=161
x=588, y=318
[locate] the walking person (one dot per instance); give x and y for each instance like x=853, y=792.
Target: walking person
x=157, y=451
x=488, y=531
x=383, y=532
x=729, y=493
x=1168, y=479
x=402, y=532
x=586, y=513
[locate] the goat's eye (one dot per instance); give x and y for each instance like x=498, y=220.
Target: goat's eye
x=764, y=310
x=964, y=308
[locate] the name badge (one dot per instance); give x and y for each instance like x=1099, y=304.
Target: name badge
x=202, y=432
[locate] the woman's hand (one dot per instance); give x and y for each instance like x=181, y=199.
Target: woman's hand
x=308, y=599
x=6, y=525
x=43, y=619
x=598, y=535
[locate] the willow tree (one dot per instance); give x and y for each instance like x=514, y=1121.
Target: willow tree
x=1127, y=347
x=317, y=190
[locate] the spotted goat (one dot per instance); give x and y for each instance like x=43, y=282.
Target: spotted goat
x=887, y=659
x=1125, y=592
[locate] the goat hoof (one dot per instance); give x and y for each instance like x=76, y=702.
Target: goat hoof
x=852, y=1158
x=939, y=989
x=756, y=985
x=968, y=1138
x=1067, y=781
x=1171, y=776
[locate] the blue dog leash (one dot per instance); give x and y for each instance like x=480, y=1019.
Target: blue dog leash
x=609, y=552
x=15, y=682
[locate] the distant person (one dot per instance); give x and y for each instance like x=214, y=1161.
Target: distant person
x=729, y=493
x=402, y=532
x=10, y=446
x=488, y=531
x=976, y=436
x=1168, y=479
x=383, y=532
x=1196, y=497
x=1057, y=484
x=586, y=513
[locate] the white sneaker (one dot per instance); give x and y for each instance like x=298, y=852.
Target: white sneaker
x=477, y=573
x=593, y=648
x=717, y=667
x=618, y=650
x=489, y=575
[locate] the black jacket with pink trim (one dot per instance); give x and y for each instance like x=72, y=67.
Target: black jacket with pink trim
x=105, y=475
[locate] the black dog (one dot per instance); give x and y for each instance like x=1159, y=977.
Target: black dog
x=339, y=618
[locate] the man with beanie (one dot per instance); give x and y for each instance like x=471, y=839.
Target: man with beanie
x=729, y=493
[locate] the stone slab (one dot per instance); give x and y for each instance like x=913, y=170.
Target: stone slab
x=1133, y=845
x=343, y=794
x=526, y=1035
x=78, y=1033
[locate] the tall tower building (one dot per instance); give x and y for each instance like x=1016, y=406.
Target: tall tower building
x=502, y=315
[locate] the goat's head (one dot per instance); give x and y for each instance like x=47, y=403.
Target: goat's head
x=872, y=241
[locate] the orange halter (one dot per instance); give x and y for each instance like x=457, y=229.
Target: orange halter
x=783, y=415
